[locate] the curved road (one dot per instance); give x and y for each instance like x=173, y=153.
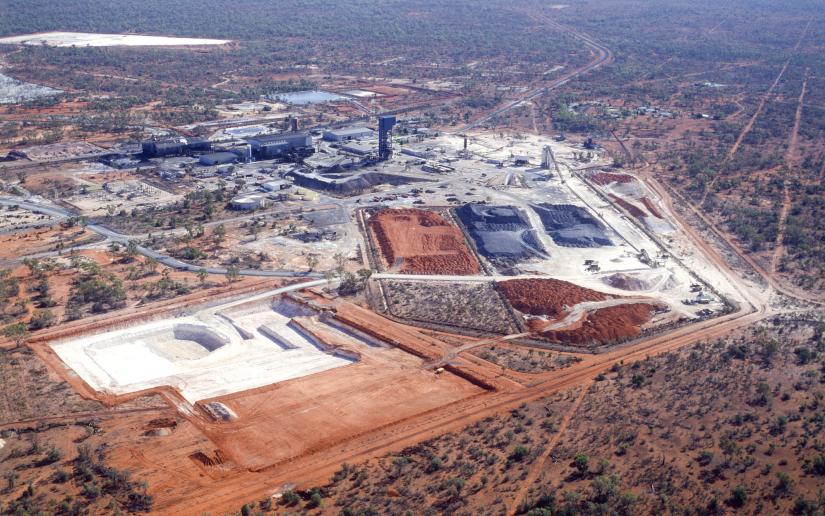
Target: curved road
x=164, y=259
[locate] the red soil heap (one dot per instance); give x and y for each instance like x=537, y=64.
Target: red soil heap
x=423, y=242
x=606, y=325
x=652, y=208
x=550, y=296
x=547, y=296
x=630, y=208
x=605, y=178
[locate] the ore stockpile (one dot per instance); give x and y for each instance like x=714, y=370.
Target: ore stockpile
x=572, y=226
x=501, y=233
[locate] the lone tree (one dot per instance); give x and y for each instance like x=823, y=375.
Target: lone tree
x=233, y=274
x=151, y=264
x=219, y=233
x=17, y=333
x=131, y=251
x=330, y=277
x=340, y=263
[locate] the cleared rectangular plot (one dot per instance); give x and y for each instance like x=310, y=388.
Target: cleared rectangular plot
x=313, y=412
x=414, y=241
x=452, y=305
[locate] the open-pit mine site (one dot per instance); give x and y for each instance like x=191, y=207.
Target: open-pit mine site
x=265, y=392
x=445, y=258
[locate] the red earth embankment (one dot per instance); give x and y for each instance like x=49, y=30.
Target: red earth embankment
x=652, y=208
x=604, y=326
x=421, y=242
x=629, y=207
x=554, y=299
x=547, y=296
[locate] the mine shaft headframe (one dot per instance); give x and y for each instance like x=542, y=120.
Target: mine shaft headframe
x=385, y=125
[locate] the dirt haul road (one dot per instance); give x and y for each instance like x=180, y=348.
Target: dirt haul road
x=749, y=125
x=792, y=162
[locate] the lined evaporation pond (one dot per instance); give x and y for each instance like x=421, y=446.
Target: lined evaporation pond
x=303, y=98
x=13, y=91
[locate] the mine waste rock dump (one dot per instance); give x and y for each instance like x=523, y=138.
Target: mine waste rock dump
x=559, y=312
x=223, y=350
x=348, y=184
x=502, y=234
x=414, y=241
x=633, y=197
x=572, y=226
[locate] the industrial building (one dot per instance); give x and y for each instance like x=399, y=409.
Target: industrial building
x=358, y=148
x=174, y=147
x=349, y=133
x=385, y=125
x=249, y=201
x=281, y=145
x=218, y=158
x=276, y=186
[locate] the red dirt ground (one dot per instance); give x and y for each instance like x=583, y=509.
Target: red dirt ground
x=652, y=208
x=421, y=242
x=605, y=178
x=274, y=423
x=629, y=207
x=41, y=240
x=606, y=325
x=547, y=296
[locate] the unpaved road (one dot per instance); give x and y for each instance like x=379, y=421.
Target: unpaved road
x=756, y=114
x=538, y=464
x=792, y=162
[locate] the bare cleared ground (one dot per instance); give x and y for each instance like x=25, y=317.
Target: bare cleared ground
x=180, y=458
x=12, y=219
x=44, y=240
x=385, y=385
x=421, y=242
x=474, y=306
